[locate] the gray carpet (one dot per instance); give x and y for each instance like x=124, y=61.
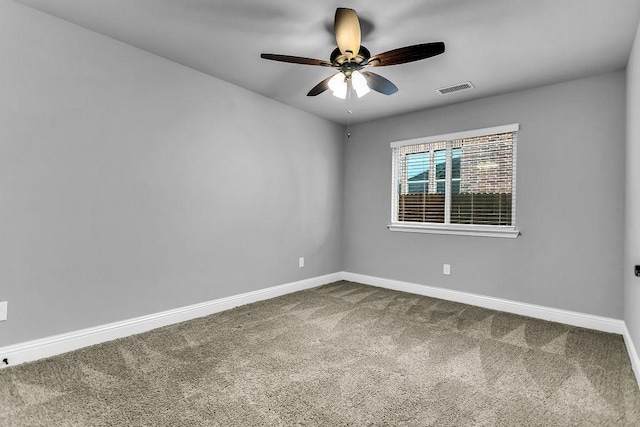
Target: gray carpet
x=344, y=354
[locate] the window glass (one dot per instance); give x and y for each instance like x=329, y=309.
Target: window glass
x=417, y=173
x=480, y=182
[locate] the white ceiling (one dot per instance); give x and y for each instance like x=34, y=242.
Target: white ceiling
x=498, y=45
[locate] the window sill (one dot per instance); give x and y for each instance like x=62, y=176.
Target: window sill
x=459, y=230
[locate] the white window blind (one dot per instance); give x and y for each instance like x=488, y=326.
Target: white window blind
x=464, y=181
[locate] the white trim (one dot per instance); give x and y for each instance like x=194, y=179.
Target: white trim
x=514, y=189
x=514, y=127
x=58, y=344
x=633, y=354
x=394, y=189
x=589, y=321
x=582, y=320
x=459, y=230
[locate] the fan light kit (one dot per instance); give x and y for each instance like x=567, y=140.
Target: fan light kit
x=339, y=84
x=350, y=57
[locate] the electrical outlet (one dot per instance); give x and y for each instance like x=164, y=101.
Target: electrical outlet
x=446, y=269
x=301, y=262
x=3, y=310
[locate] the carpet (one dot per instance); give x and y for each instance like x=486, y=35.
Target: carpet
x=343, y=354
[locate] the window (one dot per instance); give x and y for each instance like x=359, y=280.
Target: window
x=460, y=183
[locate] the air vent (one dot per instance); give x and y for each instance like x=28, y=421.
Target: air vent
x=455, y=88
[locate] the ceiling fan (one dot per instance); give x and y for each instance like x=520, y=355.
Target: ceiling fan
x=350, y=57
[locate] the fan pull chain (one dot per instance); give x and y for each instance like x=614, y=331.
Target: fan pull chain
x=349, y=111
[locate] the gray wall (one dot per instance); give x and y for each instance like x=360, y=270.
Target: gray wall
x=130, y=184
x=570, y=200
x=632, y=223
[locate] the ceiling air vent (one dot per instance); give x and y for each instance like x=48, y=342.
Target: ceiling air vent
x=455, y=88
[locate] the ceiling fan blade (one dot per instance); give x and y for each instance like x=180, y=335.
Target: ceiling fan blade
x=407, y=54
x=379, y=83
x=295, y=59
x=347, y=31
x=320, y=87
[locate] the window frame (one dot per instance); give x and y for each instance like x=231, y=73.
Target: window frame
x=446, y=228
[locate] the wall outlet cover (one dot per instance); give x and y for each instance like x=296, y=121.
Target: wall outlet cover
x=3, y=310
x=300, y=262
x=446, y=269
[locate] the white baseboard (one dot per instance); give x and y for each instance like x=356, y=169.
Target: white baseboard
x=573, y=318
x=633, y=354
x=589, y=321
x=58, y=344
